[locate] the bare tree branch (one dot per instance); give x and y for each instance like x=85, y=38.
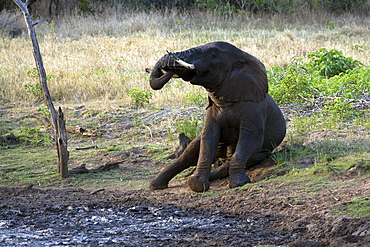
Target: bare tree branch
x=37, y=22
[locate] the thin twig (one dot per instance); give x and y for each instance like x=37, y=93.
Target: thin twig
x=37, y=22
x=85, y=148
x=97, y=190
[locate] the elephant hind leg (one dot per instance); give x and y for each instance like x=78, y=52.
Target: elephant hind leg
x=187, y=159
x=223, y=170
x=220, y=172
x=257, y=158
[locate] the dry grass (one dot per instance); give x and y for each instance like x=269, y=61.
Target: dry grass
x=104, y=57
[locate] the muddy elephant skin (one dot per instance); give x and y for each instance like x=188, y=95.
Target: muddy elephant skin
x=241, y=114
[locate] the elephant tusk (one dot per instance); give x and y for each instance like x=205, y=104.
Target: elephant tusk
x=179, y=61
x=173, y=76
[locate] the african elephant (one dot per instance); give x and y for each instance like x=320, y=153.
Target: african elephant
x=241, y=114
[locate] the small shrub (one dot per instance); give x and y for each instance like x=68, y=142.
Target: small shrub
x=191, y=127
x=347, y=93
x=44, y=111
x=339, y=85
x=331, y=63
x=195, y=98
x=140, y=98
x=293, y=84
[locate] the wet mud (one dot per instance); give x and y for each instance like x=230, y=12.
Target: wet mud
x=77, y=217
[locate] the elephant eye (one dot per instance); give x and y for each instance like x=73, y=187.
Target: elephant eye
x=213, y=55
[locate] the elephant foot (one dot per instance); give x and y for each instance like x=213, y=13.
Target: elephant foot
x=197, y=183
x=239, y=179
x=158, y=185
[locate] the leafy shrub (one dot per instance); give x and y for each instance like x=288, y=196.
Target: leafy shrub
x=338, y=84
x=347, y=93
x=292, y=84
x=195, y=98
x=140, y=98
x=331, y=63
x=191, y=127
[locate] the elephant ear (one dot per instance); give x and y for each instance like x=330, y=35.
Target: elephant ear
x=247, y=81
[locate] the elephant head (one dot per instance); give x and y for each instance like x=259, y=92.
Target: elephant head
x=225, y=71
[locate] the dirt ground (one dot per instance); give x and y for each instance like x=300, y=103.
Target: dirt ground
x=271, y=213
x=235, y=218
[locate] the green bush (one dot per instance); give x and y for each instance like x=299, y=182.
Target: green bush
x=140, y=98
x=293, y=84
x=191, y=127
x=338, y=84
x=195, y=98
x=330, y=63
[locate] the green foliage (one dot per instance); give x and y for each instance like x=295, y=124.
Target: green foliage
x=191, y=127
x=216, y=5
x=331, y=25
x=44, y=111
x=85, y=7
x=34, y=137
x=293, y=83
x=34, y=90
x=195, y=98
x=337, y=84
x=51, y=27
x=140, y=98
x=358, y=208
x=331, y=63
x=222, y=6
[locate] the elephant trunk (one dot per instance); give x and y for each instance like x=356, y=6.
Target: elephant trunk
x=158, y=79
x=166, y=68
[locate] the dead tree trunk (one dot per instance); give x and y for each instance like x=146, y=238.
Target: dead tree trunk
x=58, y=118
x=63, y=154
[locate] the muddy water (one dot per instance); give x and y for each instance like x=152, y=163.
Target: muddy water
x=96, y=225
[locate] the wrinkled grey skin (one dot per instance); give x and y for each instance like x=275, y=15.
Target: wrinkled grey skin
x=241, y=114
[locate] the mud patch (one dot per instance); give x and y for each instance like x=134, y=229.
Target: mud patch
x=77, y=217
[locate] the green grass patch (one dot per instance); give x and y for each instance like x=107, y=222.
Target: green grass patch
x=28, y=165
x=358, y=208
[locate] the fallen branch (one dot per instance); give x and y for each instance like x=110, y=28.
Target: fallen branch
x=73, y=130
x=97, y=190
x=86, y=148
x=79, y=170
x=106, y=167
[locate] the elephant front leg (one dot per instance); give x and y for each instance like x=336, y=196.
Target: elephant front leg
x=199, y=181
x=238, y=177
x=249, y=143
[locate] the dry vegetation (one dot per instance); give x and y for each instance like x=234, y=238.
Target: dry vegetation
x=103, y=57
